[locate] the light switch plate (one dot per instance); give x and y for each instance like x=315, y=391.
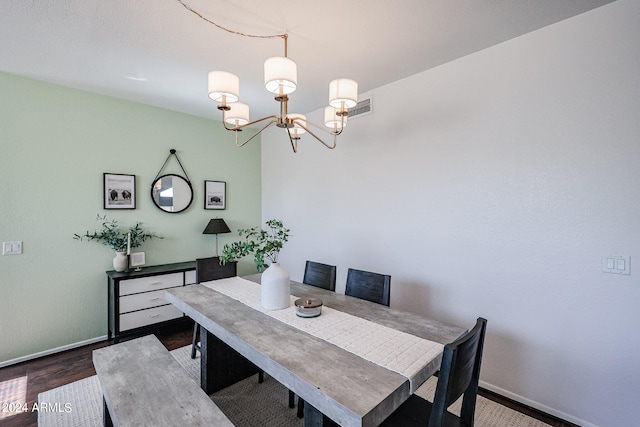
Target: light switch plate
x=11, y=248
x=616, y=264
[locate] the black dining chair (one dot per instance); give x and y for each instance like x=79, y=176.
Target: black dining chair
x=374, y=287
x=321, y=276
x=459, y=376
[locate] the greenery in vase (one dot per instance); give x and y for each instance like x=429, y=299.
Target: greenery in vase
x=262, y=243
x=111, y=235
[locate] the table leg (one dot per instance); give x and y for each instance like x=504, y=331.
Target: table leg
x=220, y=365
x=106, y=415
x=315, y=418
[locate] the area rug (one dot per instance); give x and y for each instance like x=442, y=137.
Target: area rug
x=246, y=403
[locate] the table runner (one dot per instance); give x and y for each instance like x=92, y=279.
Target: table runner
x=395, y=350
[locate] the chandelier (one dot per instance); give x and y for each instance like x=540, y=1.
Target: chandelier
x=281, y=79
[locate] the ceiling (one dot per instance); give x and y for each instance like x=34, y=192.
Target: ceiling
x=159, y=53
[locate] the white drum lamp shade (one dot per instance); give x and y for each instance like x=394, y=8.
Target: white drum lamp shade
x=300, y=118
x=223, y=83
x=239, y=111
x=280, y=71
x=343, y=90
x=331, y=118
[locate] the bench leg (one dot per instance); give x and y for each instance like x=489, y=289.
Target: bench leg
x=107, y=416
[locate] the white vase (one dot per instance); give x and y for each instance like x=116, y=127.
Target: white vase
x=120, y=262
x=275, y=293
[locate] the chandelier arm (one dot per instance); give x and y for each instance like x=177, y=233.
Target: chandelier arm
x=254, y=135
x=322, y=128
x=294, y=145
x=224, y=123
x=335, y=135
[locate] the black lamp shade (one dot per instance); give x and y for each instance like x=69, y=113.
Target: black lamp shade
x=216, y=226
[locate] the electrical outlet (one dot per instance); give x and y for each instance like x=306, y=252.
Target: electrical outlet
x=11, y=248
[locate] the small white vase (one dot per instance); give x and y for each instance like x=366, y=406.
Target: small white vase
x=120, y=262
x=275, y=293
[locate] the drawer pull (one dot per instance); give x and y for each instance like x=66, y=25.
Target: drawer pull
x=156, y=283
x=154, y=315
x=154, y=299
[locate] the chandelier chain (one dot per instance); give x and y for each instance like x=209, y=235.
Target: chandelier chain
x=272, y=36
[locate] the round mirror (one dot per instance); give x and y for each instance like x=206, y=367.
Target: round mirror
x=172, y=193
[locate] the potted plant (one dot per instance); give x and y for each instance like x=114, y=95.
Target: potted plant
x=121, y=241
x=264, y=245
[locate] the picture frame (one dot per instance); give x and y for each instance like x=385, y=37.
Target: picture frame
x=137, y=259
x=215, y=195
x=119, y=191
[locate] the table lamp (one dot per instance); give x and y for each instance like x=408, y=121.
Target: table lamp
x=216, y=226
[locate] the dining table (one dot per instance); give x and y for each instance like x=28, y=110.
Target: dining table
x=353, y=365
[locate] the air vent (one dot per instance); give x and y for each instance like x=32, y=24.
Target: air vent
x=362, y=108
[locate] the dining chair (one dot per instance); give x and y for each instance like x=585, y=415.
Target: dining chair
x=321, y=276
x=459, y=376
x=374, y=287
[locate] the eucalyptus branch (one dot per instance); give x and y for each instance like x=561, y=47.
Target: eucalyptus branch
x=111, y=235
x=262, y=243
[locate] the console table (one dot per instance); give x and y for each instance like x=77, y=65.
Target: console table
x=136, y=303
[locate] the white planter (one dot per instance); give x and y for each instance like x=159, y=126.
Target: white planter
x=120, y=262
x=275, y=291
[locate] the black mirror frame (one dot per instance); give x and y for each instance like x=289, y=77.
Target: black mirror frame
x=173, y=175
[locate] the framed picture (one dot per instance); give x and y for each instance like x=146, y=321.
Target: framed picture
x=215, y=195
x=137, y=259
x=119, y=191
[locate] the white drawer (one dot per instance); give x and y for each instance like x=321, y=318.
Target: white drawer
x=151, y=283
x=141, y=301
x=189, y=277
x=148, y=317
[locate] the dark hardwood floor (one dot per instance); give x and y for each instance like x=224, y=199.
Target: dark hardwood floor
x=72, y=365
x=63, y=368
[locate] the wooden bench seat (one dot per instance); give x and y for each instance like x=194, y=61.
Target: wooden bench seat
x=143, y=385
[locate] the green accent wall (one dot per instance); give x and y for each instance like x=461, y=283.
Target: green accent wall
x=55, y=145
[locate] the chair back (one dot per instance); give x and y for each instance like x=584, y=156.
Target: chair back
x=459, y=375
x=369, y=286
x=320, y=275
x=210, y=269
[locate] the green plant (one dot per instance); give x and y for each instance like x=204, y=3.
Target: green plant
x=111, y=235
x=262, y=243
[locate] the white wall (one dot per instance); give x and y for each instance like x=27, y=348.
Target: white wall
x=493, y=192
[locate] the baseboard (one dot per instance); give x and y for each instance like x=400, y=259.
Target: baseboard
x=536, y=405
x=52, y=351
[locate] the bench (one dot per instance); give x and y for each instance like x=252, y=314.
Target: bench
x=143, y=385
